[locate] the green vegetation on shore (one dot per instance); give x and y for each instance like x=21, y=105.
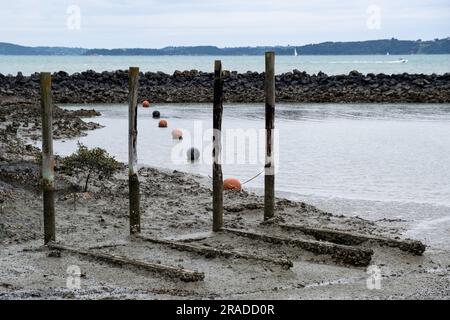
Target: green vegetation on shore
x=90, y=161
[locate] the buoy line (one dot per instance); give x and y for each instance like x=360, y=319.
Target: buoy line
x=254, y=177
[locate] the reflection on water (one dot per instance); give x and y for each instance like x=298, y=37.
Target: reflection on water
x=362, y=154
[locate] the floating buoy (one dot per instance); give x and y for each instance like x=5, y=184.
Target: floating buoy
x=146, y=104
x=162, y=124
x=156, y=114
x=231, y=184
x=193, y=154
x=177, y=134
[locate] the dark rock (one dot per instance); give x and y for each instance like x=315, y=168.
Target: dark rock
x=54, y=254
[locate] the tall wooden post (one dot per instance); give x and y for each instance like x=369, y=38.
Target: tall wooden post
x=217, y=148
x=133, y=180
x=269, y=168
x=48, y=162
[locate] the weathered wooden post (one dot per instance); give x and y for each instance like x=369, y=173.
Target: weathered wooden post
x=48, y=162
x=269, y=168
x=217, y=146
x=133, y=180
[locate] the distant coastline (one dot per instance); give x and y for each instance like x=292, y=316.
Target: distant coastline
x=371, y=47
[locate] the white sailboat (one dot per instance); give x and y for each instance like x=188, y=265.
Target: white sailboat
x=295, y=52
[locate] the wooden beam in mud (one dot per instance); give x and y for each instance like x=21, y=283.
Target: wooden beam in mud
x=48, y=161
x=190, y=237
x=349, y=238
x=133, y=180
x=217, y=148
x=269, y=172
x=214, y=252
x=170, y=271
x=108, y=245
x=357, y=257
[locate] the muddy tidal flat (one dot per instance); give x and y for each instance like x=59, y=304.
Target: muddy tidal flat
x=177, y=207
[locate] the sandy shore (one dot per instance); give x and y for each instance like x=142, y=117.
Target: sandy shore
x=178, y=206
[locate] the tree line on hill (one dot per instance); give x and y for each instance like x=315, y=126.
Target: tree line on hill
x=370, y=47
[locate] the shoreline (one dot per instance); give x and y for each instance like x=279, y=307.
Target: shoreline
x=177, y=204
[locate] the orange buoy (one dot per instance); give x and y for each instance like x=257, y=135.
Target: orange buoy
x=146, y=104
x=231, y=184
x=177, y=134
x=162, y=124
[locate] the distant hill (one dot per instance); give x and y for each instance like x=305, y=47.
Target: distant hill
x=14, y=49
x=391, y=46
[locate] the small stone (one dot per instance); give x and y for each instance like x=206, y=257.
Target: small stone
x=54, y=254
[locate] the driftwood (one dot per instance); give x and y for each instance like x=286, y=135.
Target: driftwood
x=349, y=238
x=214, y=252
x=358, y=257
x=172, y=272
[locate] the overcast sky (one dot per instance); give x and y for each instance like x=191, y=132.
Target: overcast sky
x=159, y=23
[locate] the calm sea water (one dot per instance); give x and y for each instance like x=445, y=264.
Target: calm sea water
x=375, y=161
x=426, y=64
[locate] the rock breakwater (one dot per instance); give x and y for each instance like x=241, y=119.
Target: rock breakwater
x=196, y=86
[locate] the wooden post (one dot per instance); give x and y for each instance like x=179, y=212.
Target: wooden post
x=269, y=168
x=133, y=180
x=217, y=146
x=48, y=162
